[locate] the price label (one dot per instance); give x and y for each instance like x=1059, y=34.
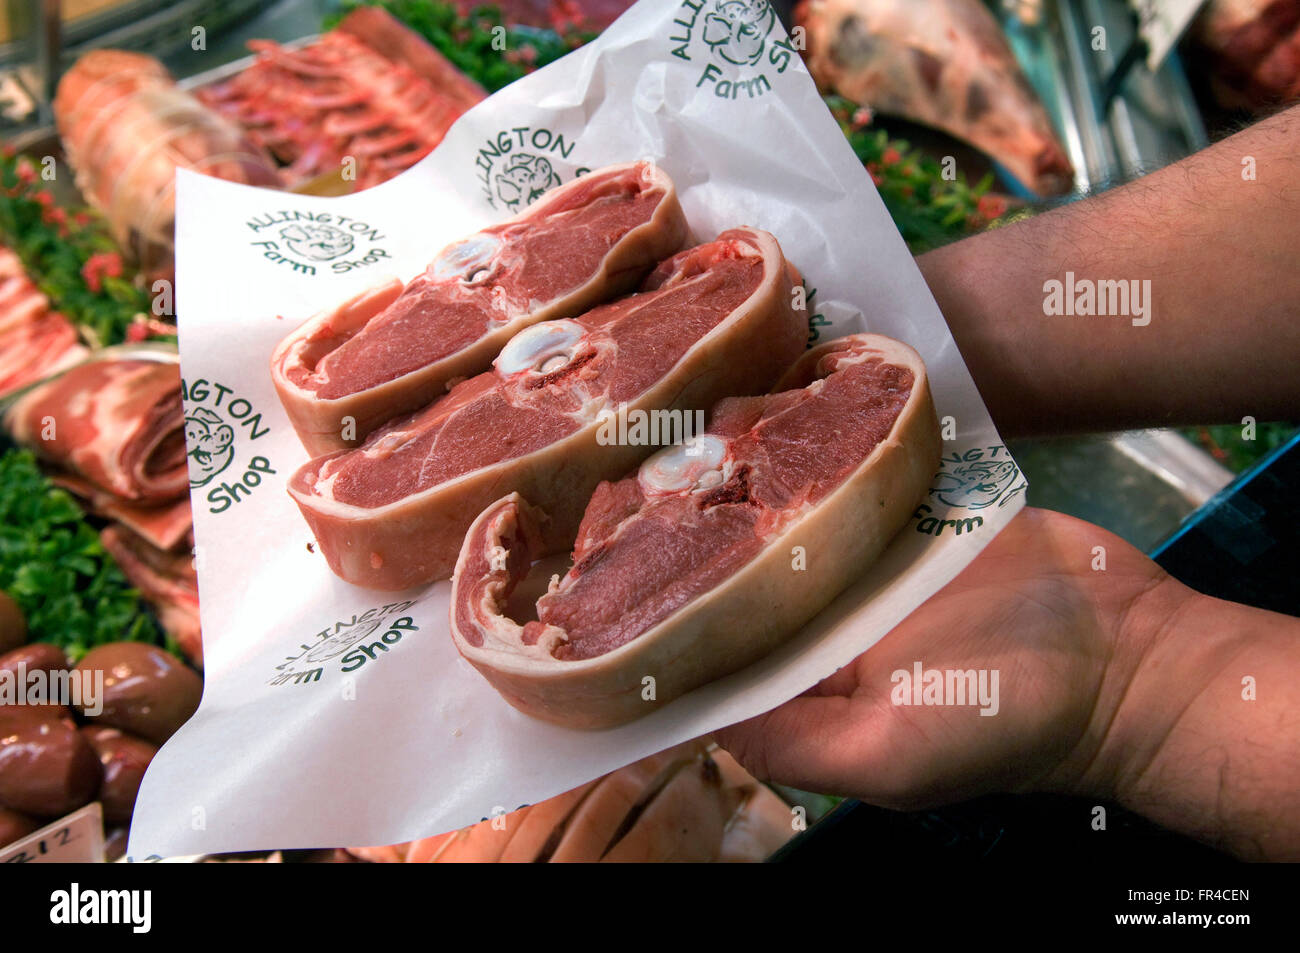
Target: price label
x=1162, y=22
x=77, y=838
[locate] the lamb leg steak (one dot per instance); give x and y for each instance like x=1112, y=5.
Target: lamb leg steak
x=394, y=348
x=565, y=407
x=686, y=570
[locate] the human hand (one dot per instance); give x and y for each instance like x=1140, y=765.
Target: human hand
x=1066, y=640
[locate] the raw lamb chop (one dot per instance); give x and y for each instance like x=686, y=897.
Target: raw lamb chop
x=713, y=320
x=683, y=571
x=167, y=580
x=394, y=349
x=944, y=63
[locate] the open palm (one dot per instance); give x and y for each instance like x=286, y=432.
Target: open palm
x=1032, y=607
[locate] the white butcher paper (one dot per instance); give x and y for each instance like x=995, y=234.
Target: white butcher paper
x=413, y=741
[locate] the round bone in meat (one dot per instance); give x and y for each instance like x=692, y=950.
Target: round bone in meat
x=395, y=348
x=467, y=259
x=539, y=347
x=716, y=320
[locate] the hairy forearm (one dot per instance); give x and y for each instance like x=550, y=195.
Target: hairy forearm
x=1219, y=250
x=1205, y=735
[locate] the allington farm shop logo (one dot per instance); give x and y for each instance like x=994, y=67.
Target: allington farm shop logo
x=517, y=165
x=731, y=43
x=973, y=481
x=308, y=243
x=348, y=644
x=221, y=431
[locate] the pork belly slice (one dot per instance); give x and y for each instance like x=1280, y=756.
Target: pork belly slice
x=116, y=423
x=167, y=580
x=685, y=570
x=393, y=349
x=35, y=340
x=710, y=321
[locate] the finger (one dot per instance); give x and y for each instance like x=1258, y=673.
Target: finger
x=832, y=744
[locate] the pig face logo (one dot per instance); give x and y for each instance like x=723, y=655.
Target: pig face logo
x=340, y=642
x=524, y=180
x=736, y=30
x=316, y=242
x=209, y=443
x=975, y=486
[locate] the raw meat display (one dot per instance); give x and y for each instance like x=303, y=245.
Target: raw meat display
x=690, y=804
x=35, y=341
x=683, y=570
x=126, y=129
x=714, y=320
x=1255, y=49
x=393, y=349
x=544, y=14
x=370, y=90
x=163, y=525
x=167, y=580
x=115, y=423
x=944, y=63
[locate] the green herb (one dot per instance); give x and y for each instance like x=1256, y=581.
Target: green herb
x=53, y=565
x=469, y=42
x=929, y=209
x=1227, y=445
x=71, y=258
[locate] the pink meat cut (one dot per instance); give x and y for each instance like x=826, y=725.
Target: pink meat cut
x=370, y=91
x=944, y=63
x=116, y=423
x=683, y=570
x=35, y=341
x=713, y=320
x=394, y=349
x=168, y=580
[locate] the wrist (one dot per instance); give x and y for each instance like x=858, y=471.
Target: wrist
x=1141, y=610
x=1199, y=735
x=1158, y=675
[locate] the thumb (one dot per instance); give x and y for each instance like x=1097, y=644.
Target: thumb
x=827, y=744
